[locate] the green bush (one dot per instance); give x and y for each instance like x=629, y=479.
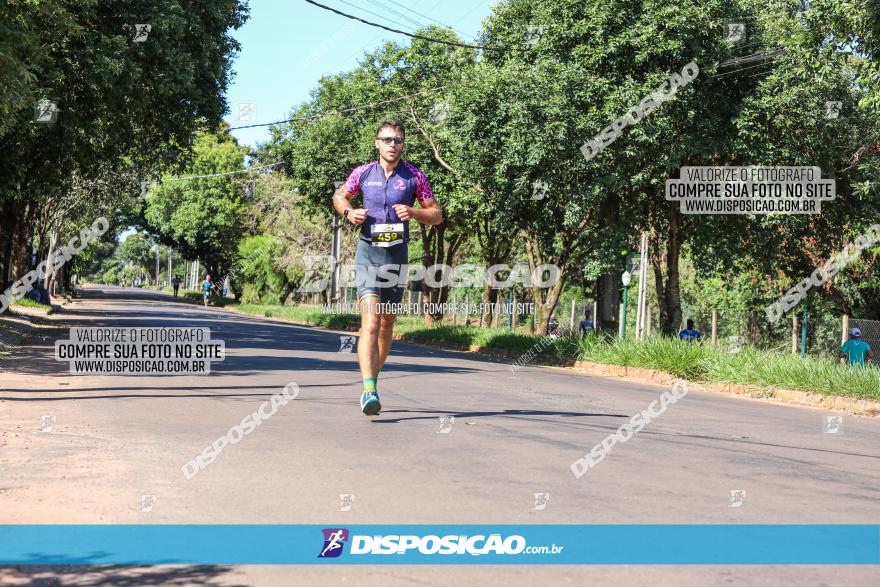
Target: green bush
x=111, y=276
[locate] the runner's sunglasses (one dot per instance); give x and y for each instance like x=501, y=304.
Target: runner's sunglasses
x=389, y=140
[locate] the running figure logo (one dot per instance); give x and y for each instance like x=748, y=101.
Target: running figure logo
x=735, y=344
x=334, y=540
x=737, y=497
x=347, y=344
x=832, y=109
x=45, y=112
x=534, y=33
x=439, y=112
x=735, y=31
x=246, y=111
x=147, y=503
x=47, y=422
x=141, y=32
x=541, y=500
x=345, y=502
x=539, y=190
x=446, y=423
x=833, y=424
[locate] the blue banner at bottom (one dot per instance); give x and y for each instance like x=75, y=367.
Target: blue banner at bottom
x=141, y=544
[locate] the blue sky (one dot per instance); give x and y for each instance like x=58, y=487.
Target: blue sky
x=287, y=45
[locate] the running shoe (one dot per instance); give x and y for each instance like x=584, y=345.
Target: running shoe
x=370, y=403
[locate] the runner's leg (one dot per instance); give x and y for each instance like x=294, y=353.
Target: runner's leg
x=392, y=296
x=368, y=341
x=386, y=330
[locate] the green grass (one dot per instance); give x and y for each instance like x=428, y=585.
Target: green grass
x=29, y=303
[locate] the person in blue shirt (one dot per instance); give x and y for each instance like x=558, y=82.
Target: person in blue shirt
x=553, y=325
x=206, y=287
x=855, y=349
x=690, y=334
x=586, y=324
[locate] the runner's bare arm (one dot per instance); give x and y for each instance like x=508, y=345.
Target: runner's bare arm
x=429, y=213
x=341, y=203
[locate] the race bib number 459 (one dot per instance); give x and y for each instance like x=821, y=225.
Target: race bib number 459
x=385, y=235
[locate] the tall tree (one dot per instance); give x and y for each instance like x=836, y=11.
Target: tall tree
x=202, y=216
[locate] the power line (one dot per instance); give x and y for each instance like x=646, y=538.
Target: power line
x=394, y=12
x=770, y=70
x=737, y=70
x=248, y=170
x=412, y=35
x=753, y=58
x=343, y=111
x=379, y=15
x=431, y=19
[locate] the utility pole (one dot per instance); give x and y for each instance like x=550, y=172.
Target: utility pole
x=804, y=325
x=157, y=264
x=643, y=287
x=334, y=253
x=169, y=265
x=625, y=279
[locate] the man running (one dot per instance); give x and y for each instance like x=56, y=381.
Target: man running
x=206, y=286
x=175, y=283
x=390, y=187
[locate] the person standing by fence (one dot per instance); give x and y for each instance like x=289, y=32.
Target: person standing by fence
x=690, y=334
x=855, y=349
x=586, y=326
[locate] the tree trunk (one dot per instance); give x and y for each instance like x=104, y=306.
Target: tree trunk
x=53, y=243
x=22, y=240
x=7, y=227
x=668, y=288
x=608, y=302
x=490, y=296
x=608, y=284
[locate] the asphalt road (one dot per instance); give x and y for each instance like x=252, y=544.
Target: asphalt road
x=116, y=439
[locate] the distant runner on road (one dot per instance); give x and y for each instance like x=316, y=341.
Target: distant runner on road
x=855, y=349
x=390, y=187
x=206, y=286
x=176, y=284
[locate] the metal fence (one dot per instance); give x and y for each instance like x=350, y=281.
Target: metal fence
x=870, y=334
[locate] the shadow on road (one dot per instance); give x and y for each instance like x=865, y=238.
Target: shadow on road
x=436, y=414
x=254, y=345
x=115, y=575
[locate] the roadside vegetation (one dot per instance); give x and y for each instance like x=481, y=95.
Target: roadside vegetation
x=694, y=362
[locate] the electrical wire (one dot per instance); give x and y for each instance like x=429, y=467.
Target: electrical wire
x=248, y=170
x=418, y=24
x=752, y=58
x=412, y=35
x=397, y=22
x=738, y=70
x=343, y=111
x=431, y=19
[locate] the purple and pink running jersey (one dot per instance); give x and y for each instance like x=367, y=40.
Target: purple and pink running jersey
x=405, y=185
